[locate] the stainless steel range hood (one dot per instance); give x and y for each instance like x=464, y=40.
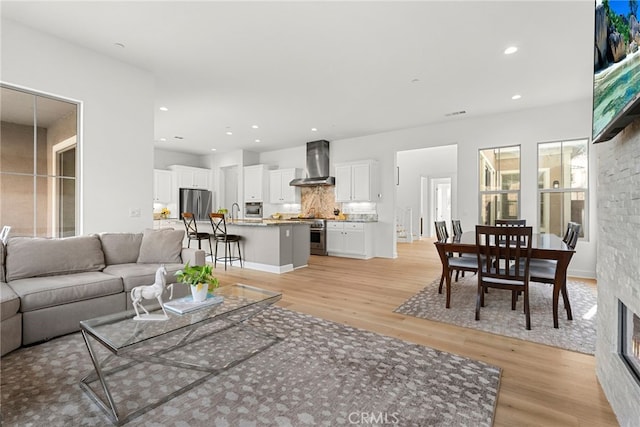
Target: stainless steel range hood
x=317, y=166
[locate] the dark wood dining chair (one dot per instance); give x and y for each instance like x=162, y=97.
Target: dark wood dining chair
x=503, y=256
x=220, y=235
x=456, y=227
x=192, y=231
x=544, y=271
x=511, y=222
x=452, y=263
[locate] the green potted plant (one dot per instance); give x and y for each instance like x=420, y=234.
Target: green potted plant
x=200, y=278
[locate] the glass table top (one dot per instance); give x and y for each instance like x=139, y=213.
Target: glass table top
x=119, y=331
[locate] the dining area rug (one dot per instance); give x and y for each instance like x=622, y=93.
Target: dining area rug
x=321, y=373
x=497, y=317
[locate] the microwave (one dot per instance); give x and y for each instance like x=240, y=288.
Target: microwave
x=253, y=210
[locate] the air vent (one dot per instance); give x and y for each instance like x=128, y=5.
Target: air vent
x=456, y=113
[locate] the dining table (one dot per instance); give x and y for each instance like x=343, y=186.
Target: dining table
x=543, y=246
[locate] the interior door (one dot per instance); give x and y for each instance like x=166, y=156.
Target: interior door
x=441, y=197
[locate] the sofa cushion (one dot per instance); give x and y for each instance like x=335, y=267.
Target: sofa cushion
x=161, y=246
x=34, y=256
x=120, y=248
x=9, y=302
x=41, y=292
x=2, y=255
x=141, y=274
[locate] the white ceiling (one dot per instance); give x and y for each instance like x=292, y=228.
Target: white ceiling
x=346, y=68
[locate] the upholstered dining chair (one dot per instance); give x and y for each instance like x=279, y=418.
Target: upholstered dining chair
x=192, y=231
x=220, y=235
x=544, y=271
x=503, y=256
x=454, y=263
x=456, y=227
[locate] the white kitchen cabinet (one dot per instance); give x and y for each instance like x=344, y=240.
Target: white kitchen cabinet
x=163, y=186
x=191, y=177
x=256, y=183
x=279, y=189
x=350, y=239
x=356, y=181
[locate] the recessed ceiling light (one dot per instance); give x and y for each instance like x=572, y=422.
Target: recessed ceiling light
x=510, y=50
x=213, y=149
x=257, y=140
x=516, y=96
x=314, y=130
x=164, y=109
x=120, y=45
x=254, y=126
x=163, y=139
x=229, y=132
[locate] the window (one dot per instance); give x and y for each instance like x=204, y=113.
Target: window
x=563, y=182
x=499, y=179
x=38, y=158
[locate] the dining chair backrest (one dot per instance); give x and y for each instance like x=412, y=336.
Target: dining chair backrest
x=572, y=234
x=511, y=222
x=441, y=230
x=503, y=253
x=456, y=227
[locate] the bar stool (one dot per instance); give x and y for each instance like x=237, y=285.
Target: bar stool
x=219, y=226
x=192, y=231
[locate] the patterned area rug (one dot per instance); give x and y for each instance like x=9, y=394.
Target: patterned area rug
x=497, y=317
x=321, y=373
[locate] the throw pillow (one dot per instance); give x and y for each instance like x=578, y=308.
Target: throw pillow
x=161, y=246
x=121, y=248
x=36, y=256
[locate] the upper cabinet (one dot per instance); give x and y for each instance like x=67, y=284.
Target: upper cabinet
x=190, y=177
x=279, y=189
x=162, y=186
x=356, y=181
x=256, y=183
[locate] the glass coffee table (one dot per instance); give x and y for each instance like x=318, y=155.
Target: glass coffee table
x=156, y=354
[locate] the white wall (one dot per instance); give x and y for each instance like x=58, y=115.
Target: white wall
x=162, y=159
x=116, y=152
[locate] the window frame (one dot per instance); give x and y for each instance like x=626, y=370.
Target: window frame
x=564, y=190
x=53, y=229
x=482, y=193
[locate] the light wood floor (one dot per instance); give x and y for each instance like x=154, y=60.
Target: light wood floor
x=541, y=385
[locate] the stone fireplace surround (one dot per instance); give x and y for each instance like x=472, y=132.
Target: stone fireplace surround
x=618, y=269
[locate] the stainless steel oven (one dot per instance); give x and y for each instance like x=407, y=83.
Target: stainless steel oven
x=318, y=237
x=253, y=210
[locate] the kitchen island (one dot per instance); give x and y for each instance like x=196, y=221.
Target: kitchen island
x=271, y=245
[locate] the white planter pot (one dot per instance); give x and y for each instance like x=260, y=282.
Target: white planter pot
x=199, y=292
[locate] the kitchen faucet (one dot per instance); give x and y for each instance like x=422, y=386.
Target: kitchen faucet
x=236, y=206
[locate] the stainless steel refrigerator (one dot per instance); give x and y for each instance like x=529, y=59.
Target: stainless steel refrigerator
x=196, y=201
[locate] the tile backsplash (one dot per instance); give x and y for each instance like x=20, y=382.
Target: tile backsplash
x=320, y=202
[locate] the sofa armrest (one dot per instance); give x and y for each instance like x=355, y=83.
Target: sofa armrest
x=193, y=256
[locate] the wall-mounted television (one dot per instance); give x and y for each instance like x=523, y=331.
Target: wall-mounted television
x=616, y=79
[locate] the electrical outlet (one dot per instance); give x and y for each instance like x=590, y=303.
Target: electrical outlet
x=134, y=212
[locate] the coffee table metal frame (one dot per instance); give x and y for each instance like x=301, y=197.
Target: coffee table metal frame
x=241, y=302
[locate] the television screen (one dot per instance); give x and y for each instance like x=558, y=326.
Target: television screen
x=616, y=80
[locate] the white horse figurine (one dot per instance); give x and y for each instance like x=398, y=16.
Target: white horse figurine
x=149, y=292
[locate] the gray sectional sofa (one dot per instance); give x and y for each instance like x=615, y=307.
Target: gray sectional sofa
x=47, y=286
